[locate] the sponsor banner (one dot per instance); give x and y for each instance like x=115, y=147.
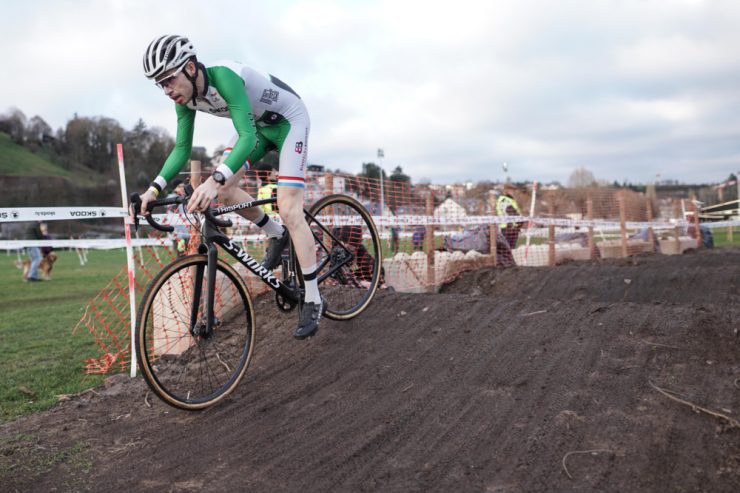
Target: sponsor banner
x=19, y=214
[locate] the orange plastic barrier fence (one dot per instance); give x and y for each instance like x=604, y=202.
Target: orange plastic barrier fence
x=429, y=235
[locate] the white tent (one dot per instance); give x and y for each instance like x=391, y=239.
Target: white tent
x=450, y=208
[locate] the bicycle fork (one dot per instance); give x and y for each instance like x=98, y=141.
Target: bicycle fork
x=198, y=327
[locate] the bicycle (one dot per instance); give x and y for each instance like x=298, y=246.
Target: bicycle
x=195, y=327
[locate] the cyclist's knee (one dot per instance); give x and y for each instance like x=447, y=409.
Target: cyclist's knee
x=292, y=216
x=290, y=198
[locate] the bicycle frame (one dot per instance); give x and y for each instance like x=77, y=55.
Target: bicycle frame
x=235, y=252
x=211, y=237
x=193, y=356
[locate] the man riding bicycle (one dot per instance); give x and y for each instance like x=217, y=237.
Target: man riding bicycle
x=267, y=114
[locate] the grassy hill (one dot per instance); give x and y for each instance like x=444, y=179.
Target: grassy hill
x=33, y=179
x=16, y=160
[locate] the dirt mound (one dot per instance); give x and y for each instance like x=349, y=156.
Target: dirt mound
x=708, y=277
x=574, y=378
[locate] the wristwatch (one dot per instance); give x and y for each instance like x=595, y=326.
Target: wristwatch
x=218, y=177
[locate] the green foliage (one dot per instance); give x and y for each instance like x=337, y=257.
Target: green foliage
x=86, y=146
x=371, y=170
x=41, y=358
x=16, y=160
x=399, y=176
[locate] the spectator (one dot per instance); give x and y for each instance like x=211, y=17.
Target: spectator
x=268, y=176
x=506, y=205
x=34, y=252
x=417, y=237
x=395, y=233
x=45, y=250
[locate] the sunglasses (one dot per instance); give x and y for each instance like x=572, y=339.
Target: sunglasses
x=166, y=81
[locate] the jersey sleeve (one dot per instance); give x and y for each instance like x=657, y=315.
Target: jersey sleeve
x=183, y=146
x=231, y=87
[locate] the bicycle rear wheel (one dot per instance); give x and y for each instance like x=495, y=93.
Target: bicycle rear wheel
x=183, y=363
x=348, y=255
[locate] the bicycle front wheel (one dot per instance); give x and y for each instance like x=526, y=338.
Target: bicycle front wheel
x=348, y=255
x=185, y=362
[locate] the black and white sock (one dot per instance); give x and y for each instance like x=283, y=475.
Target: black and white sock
x=271, y=227
x=312, y=287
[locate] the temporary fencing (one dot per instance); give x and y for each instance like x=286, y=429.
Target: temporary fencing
x=429, y=235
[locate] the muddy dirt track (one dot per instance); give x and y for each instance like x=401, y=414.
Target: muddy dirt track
x=509, y=380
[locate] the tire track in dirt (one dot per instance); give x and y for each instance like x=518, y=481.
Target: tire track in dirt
x=480, y=388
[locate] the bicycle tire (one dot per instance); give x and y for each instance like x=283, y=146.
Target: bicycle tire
x=184, y=368
x=345, y=230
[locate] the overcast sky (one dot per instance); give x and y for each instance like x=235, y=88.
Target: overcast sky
x=450, y=90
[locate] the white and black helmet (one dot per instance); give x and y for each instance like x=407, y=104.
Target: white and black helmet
x=166, y=53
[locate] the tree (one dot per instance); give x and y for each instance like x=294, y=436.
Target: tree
x=371, y=170
x=731, y=191
x=581, y=178
x=38, y=130
x=14, y=124
x=397, y=189
x=91, y=142
x=398, y=176
x=135, y=146
x=147, y=148
x=159, y=149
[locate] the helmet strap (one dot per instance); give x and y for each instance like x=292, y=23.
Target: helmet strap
x=193, y=79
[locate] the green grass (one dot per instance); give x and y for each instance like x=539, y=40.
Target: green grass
x=16, y=160
x=722, y=239
x=22, y=461
x=40, y=358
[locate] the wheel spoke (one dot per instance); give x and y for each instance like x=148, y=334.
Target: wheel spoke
x=347, y=255
x=185, y=365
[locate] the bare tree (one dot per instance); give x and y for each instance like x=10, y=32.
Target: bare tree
x=14, y=124
x=581, y=178
x=38, y=130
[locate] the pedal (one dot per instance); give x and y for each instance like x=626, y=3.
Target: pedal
x=283, y=304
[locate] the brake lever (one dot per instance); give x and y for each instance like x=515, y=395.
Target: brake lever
x=135, y=204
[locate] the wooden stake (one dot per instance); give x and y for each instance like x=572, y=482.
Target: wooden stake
x=590, y=217
x=623, y=222
x=429, y=245
x=551, y=233
x=651, y=234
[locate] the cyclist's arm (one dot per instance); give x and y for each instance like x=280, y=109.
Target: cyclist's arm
x=231, y=88
x=183, y=146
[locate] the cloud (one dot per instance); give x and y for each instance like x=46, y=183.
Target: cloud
x=622, y=87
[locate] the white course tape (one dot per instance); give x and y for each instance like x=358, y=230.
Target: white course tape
x=410, y=220
x=101, y=244
x=18, y=214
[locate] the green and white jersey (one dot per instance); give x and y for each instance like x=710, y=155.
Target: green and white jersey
x=265, y=111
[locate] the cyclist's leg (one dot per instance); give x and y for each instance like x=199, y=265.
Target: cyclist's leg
x=291, y=137
x=231, y=193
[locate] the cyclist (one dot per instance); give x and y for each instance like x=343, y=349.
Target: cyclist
x=267, y=114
